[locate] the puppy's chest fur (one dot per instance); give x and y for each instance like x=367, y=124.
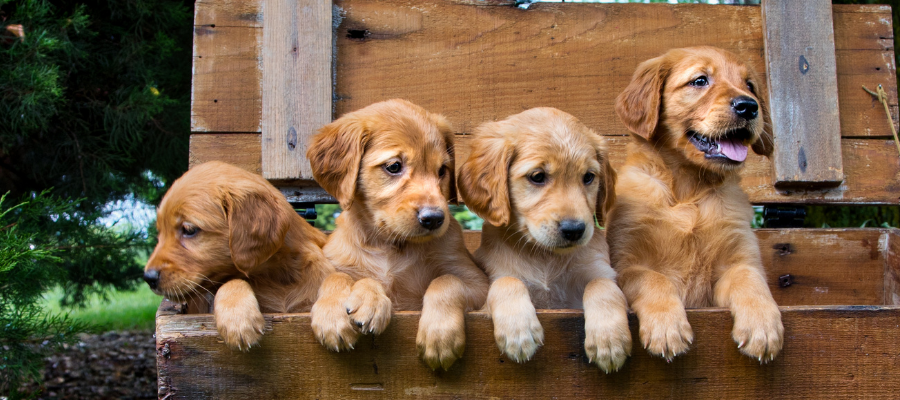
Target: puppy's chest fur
x=690, y=235
x=554, y=281
x=402, y=270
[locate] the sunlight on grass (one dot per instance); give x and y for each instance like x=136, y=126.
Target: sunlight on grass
x=123, y=310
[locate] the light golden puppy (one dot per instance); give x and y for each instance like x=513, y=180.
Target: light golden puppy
x=391, y=167
x=680, y=232
x=228, y=231
x=537, y=178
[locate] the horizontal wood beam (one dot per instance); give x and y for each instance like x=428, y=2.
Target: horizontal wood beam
x=829, y=352
x=871, y=168
x=476, y=63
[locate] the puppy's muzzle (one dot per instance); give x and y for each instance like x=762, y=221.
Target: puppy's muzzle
x=571, y=229
x=151, y=276
x=431, y=218
x=745, y=107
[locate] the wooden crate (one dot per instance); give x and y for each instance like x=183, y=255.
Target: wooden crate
x=478, y=60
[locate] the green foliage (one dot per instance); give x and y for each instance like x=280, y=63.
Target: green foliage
x=325, y=216
x=29, y=264
x=94, y=103
x=466, y=218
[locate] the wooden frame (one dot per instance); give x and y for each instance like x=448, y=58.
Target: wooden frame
x=477, y=60
x=830, y=351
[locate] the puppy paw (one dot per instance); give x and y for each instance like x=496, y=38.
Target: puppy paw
x=240, y=330
x=607, y=343
x=332, y=326
x=369, y=307
x=666, y=333
x=238, y=318
x=758, y=331
x=441, y=339
x=517, y=331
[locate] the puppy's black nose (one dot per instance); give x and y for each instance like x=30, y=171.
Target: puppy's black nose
x=152, y=278
x=431, y=218
x=571, y=229
x=745, y=107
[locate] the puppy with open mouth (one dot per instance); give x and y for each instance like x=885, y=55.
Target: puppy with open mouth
x=679, y=233
x=227, y=231
x=538, y=178
x=396, y=246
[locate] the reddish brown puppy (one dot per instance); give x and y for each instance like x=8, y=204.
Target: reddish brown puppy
x=679, y=233
x=228, y=231
x=391, y=167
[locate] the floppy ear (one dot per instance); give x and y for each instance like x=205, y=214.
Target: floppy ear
x=257, y=225
x=483, y=178
x=606, y=195
x=335, y=155
x=765, y=145
x=449, y=139
x=638, y=106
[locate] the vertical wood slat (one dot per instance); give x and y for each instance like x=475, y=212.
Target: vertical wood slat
x=296, y=83
x=803, y=94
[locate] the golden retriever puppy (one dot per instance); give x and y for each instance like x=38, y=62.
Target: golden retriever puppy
x=679, y=233
x=537, y=178
x=391, y=167
x=226, y=230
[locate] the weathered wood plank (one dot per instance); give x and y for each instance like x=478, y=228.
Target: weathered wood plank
x=892, y=268
x=479, y=63
x=871, y=168
x=296, y=83
x=853, y=273
x=835, y=352
x=803, y=92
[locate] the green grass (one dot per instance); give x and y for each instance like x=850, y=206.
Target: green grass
x=122, y=310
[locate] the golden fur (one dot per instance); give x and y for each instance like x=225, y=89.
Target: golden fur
x=529, y=177
x=679, y=232
x=227, y=230
x=379, y=241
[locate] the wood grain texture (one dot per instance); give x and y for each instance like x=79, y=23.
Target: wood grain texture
x=892, y=268
x=871, y=168
x=834, y=352
x=296, y=83
x=803, y=92
x=475, y=63
x=852, y=273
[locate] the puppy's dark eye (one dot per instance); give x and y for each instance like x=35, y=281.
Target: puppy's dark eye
x=442, y=171
x=588, y=178
x=189, y=230
x=393, y=168
x=751, y=87
x=537, y=177
x=700, y=81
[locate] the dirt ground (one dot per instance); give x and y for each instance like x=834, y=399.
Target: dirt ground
x=111, y=365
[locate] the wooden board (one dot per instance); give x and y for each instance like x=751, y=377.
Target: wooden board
x=871, y=168
x=296, y=83
x=803, y=92
x=477, y=63
x=835, y=352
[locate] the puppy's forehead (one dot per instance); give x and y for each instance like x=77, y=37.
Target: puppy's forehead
x=410, y=135
x=194, y=198
x=713, y=63
x=557, y=139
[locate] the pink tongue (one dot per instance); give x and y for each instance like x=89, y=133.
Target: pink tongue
x=734, y=149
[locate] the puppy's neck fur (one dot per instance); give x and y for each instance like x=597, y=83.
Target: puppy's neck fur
x=686, y=179
x=358, y=223
x=298, y=266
